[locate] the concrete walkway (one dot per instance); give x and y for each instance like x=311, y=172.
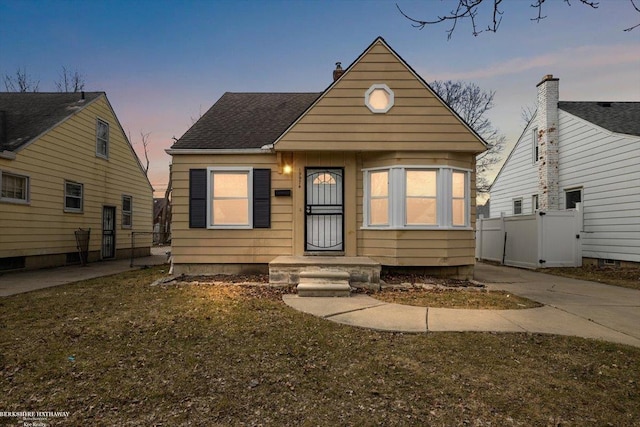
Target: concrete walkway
x=572, y=307
x=25, y=281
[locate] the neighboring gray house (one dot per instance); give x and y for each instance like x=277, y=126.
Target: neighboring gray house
x=572, y=152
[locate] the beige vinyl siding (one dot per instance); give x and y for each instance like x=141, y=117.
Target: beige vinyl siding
x=216, y=246
x=68, y=152
x=416, y=247
x=418, y=121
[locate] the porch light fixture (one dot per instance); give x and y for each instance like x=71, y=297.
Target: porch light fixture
x=379, y=98
x=285, y=162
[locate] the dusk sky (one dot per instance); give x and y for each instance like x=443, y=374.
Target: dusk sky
x=163, y=63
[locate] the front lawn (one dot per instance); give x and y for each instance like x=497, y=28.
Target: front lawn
x=117, y=351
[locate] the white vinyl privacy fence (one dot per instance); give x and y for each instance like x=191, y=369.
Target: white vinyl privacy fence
x=543, y=239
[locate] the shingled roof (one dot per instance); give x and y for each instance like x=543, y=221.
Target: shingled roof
x=619, y=117
x=26, y=115
x=245, y=120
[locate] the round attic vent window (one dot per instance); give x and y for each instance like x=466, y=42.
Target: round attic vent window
x=379, y=98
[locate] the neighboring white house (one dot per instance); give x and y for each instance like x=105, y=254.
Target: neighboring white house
x=572, y=152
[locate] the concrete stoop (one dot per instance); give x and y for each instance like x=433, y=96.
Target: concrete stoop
x=312, y=272
x=324, y=283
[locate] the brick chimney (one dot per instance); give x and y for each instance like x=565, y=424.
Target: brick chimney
x=338, y=71
x=547, y=124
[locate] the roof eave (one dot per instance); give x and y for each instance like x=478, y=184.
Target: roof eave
x=178, y=151
x=10, y=155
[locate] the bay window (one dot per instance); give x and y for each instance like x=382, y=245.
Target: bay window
x=416, y=197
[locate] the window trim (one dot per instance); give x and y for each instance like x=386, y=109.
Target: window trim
x=130, y=212
x=379, y=86
x=228, y=169
x=466, y=198
x=27, y=190
x=570, y=190
x=397, y=198
x=513, y=205
x=535, y=203
x=387, y=198
x=405, y=197
x=73, y=210
x=106, y=153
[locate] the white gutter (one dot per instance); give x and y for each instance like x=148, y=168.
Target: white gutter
x=7, y=155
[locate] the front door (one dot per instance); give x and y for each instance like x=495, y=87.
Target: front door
x=324, y=210
x=108, y=232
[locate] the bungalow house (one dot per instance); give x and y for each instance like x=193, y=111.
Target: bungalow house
x=376, y=170
x=579, y=152
x=66, y=164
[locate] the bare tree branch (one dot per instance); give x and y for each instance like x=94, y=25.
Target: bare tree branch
x=465, y=9
x=526, y=113
x=637, y=10
x=21, y=82
x=195, y=119
x=70, y=81
x=473, y=104
x=145, y=145
x=468, y=9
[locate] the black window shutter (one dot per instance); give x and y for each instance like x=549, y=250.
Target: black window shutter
x=197, y=198
x=262, y=198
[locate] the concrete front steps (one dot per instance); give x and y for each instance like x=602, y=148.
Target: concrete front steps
x=324, y=283
x=324, y=275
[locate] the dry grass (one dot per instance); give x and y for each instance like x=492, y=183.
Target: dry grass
x=426, y=291
x=116, y=351
x=456, y=298
x=625, y=277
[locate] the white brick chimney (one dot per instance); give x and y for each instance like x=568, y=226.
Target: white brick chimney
x=547, y=123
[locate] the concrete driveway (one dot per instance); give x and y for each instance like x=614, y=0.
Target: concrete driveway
x=612, y=307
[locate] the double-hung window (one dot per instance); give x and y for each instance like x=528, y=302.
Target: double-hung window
x=73, y=194
x=421, y=198
x=416, y=197
x=230, y=196
x=459, y=198
x=379, y=197
x=15, y=188
x=102, y=138
x=127, y=211
x=517, y=206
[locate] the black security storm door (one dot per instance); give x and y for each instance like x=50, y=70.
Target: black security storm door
x=324, y=228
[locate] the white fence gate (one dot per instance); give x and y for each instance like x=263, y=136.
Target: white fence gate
x=543, y=239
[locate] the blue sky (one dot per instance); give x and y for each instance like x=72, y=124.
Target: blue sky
x=163, y=63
